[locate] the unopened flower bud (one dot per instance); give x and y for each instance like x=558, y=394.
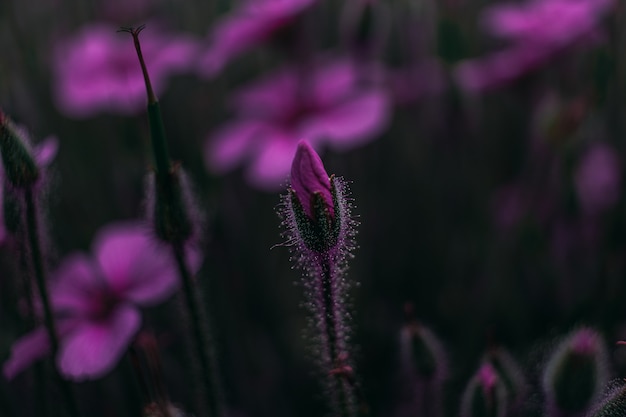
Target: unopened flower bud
x=20, y=166
x=169, y=206
x=425, y=369
x=314, y=200
x=422, y=352
x=510, y=373
x=575, y=374
x=485, y=394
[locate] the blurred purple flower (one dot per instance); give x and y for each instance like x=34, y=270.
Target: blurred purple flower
x=253, y=23
x=327, y=105
x=538, y=30
x=44, y=153
x=598, y=179
x=97, y=70
x=96, y=300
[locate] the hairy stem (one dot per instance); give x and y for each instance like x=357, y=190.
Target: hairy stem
x=331, y=327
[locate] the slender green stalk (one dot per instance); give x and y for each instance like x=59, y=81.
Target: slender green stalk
x=200, y=333
x=40, y=278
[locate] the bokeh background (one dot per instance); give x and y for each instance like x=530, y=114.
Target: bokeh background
x=492, y=203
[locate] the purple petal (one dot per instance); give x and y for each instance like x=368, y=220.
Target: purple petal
x=246, y=27
x=47, y=150
x=93, y=348
x=135, y=265
x=25, y=351
x=351, y=123
x=231, y=144
x=76, y=285
x=270, y=165
x=499, y=68
x=308, y=176
x=271, y=96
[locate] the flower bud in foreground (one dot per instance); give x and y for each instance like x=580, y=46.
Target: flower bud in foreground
x=19, y=162
x=575, y=373
x=313, y=199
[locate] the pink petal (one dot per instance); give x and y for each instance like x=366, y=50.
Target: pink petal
x=76, y=283
x=231, y=144
x=93, y=348
x=351, y=123
x=270, y=96
x=270, y=168
x=135, y=265
x=250, y=25
x=25, y=351
x=47, y=150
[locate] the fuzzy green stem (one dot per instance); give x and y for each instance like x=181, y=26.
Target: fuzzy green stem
x=330, y=321
x=200, y=333
x=40, y=278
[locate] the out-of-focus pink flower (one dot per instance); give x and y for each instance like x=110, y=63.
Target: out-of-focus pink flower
x=326, y=105
x=253, y=23
x=97, y=69
x=44, y=153
x=96, y=299
x=537, y=30
x=598, y=179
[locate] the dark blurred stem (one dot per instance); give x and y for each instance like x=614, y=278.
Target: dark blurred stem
x=28, y=293
x=330, y=324
x=32, y=230
x=200, y=335
x=159, y=142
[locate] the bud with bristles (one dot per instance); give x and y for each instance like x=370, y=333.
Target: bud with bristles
x=575, y=374
x=320, y=230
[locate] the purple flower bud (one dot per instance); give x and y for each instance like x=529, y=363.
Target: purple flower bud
x=575, y=373
x=308, y=178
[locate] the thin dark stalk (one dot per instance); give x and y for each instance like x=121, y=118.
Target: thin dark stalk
x=32, y=231
x=330, y=324
x=202, y=344
x=27, y=291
